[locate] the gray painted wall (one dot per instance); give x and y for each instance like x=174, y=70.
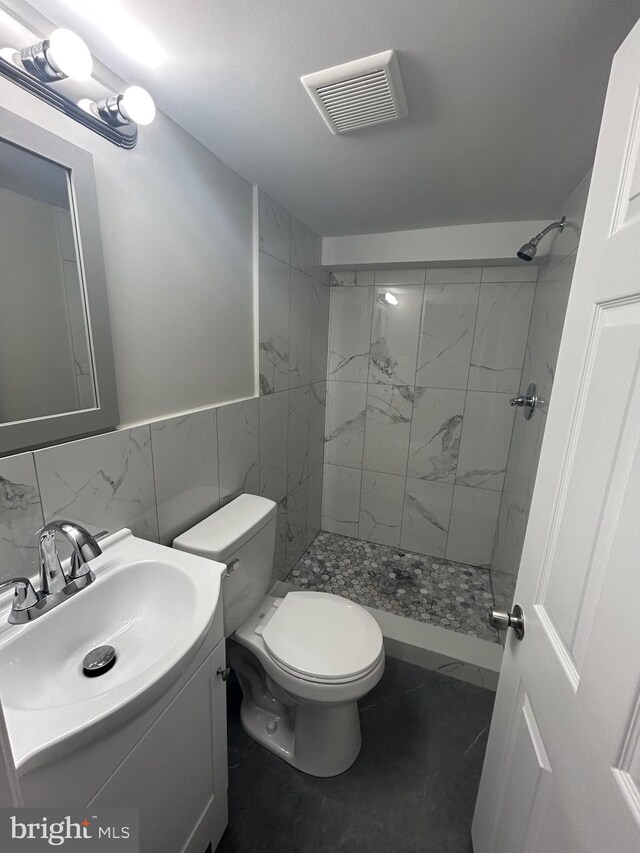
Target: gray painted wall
x=176, y=228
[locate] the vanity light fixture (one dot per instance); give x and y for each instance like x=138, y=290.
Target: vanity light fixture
x=65, y=56
x=387, y=298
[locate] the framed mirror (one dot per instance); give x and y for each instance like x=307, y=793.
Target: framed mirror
x=56, y=359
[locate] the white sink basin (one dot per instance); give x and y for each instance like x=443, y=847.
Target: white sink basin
x=154, y=605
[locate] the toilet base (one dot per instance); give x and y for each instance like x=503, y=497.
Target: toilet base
x=316, y=739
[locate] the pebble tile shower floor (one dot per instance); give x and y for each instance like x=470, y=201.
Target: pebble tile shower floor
x=441, y=592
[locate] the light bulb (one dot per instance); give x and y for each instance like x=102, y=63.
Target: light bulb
x=69, y=55
x=137, y=105
x=388, y=298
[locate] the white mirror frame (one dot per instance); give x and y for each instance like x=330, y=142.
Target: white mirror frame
x=20, y=435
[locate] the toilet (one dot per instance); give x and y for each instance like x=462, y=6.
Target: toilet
x=303, y=661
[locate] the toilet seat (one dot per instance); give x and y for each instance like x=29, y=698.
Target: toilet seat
x=324, y=638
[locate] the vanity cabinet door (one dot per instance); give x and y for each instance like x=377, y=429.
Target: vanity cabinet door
x=177, y=774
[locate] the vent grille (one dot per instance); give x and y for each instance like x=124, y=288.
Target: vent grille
x=358, y=94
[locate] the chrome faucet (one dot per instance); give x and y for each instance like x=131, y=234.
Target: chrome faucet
x=55, y=585
x=85, y=548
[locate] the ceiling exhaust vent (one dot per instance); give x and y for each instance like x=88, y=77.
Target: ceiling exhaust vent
x=358, y=94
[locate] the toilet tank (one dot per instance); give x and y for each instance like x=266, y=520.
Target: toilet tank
x=244, y=531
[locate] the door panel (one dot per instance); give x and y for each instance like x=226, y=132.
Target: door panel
x=612, y=362
x=528, y=783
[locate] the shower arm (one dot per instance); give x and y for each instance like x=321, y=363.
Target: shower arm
x=559, y=225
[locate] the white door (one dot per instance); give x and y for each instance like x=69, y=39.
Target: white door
x=562, y=769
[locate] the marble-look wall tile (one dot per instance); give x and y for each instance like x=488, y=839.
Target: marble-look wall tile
x=436, y=428
x=297, y=437
x=387, y=428
x=486, y=435
x=314, y=506
x=317, y=413
x=20, y=516
x=446, y=335
x=296, y=530
x=274, y=228
x=351, y=278
x=274, y=325
x=425, y=522
x=454, y=275
x=350, y=334
x=320, y=295
x=239, y=449
x=395, y=331
x=400, y=276
x=299, y=329
x=419, y=431
x=280, y=569
x=502, y=325
x=518, y=272
x=381, y=508
x=545, y=332
x=523, y=459
x=302, y=247
x=273, y=445
x=185, y=465
x=474, y=515
x=507, y=548
x=341, y=500
x=320, y=273
x=504, y=587
x=104, y=482
x=344, y=429
x=517, y=491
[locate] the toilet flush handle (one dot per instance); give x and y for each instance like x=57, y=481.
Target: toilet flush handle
x=231, y=567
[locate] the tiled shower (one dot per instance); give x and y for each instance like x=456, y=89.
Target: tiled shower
x=402, y=380
x=418, y=415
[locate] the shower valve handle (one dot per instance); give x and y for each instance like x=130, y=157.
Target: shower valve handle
x=527, y=401
x=522, y=401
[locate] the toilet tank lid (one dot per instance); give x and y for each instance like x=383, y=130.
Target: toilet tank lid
x=219, y=535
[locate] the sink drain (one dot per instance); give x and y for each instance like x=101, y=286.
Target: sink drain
x=99, y=661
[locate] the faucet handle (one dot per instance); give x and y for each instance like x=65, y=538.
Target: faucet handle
x=24, y=597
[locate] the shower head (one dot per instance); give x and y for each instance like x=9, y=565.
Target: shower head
x=528, y=251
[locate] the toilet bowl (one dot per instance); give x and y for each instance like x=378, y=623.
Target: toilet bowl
x=303, y=661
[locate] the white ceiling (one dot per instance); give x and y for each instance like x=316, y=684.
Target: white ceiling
x=505, y=98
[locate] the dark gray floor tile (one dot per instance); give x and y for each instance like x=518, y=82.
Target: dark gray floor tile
x=460, y=715
x=386, y=783
x=266, y=813
x=416, y=778
x=339, y=829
